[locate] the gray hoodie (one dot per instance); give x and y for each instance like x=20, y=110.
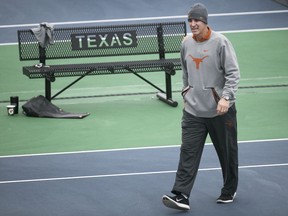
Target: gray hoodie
x=208, y=65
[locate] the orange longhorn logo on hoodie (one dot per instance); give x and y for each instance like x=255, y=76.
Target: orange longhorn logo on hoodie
x=198, y=61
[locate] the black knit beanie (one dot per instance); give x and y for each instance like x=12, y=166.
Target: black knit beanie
x=198, y=12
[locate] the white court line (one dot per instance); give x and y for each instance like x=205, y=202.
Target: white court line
x=132, y=174
x=158, y=18
x=147, y=18
x=223, y=32
x=129, y=149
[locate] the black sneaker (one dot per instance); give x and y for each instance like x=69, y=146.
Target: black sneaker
x=178, y=202
x=226, y=198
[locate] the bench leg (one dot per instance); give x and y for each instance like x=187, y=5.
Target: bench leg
x=169, y=101
x=48, y=89
x=167, y=98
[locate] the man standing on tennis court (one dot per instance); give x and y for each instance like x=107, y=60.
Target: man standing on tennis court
x=210, y=78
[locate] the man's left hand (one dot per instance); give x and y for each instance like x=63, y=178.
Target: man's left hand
x=222, y=107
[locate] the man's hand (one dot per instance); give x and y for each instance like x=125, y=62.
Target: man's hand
x=222, y=107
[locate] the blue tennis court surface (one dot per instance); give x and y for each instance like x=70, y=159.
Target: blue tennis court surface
x=132, y=181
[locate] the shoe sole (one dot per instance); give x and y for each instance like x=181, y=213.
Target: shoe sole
x=170, y=203
x=226, y=201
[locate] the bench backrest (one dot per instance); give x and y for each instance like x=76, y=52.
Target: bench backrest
x=100, y=41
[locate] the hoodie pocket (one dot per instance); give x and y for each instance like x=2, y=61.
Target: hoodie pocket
x=185, y=90
x=215, y=95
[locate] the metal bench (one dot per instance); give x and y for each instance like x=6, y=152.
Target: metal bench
x=153, y=43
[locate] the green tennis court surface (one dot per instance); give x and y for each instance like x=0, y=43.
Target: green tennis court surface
x=137, y=118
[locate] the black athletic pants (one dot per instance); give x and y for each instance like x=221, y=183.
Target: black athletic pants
x=223, y=133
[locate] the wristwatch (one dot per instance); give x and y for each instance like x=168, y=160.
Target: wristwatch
x=226, y=97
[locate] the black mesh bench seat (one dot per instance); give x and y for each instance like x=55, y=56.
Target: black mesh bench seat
x=152, y=44
x=167, y=65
